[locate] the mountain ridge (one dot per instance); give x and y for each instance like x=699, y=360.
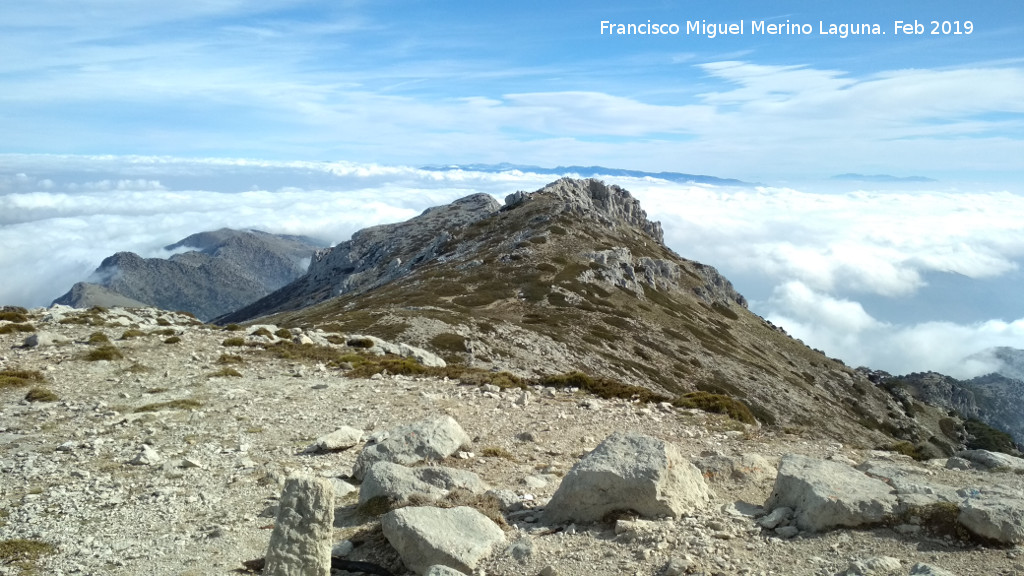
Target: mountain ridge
x=574, y=277
x=224, y=270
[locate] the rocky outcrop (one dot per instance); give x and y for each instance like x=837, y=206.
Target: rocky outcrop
x=630, y=472
x=612, y=206
x=372, y=257
x=225, y=270
x=816, y=495
x=427, y=440
x=456, y=537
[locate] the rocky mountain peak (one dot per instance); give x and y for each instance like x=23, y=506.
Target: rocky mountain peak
x=592, y=198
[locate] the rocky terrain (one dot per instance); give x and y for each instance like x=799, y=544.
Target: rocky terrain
x=164, y=447
x=223, y=271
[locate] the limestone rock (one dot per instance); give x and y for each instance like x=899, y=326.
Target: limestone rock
x=44, y=339
x=877, y=566
x=398, y=483
x=439, y=570
x=745, y=468
x=994, y=515
x=922, y=569
x=146, y=457
x=628, y=471
x=300, y=544
x=985, y=459
x=433, y=439
x=341, y=439
x=455, y=537
x=826, y=494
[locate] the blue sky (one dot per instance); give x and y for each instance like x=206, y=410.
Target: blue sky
x=400, y=82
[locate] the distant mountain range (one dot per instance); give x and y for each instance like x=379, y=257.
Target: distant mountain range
x=882, y=178
x=224, y=270
x=592, y=171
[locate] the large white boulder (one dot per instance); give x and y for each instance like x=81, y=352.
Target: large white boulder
x=628, y=471
x=455, y=537
x=825, y=494
x=427, y=440
x=994, y=515
x=397, y=483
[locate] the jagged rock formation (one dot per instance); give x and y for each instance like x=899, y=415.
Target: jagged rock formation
x=225, y=270
x=574, y=276
x=373, y=257
x=993, y=399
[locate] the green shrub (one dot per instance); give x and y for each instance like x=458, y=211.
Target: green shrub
x=448, y=342
x=495, y=452
x=161, y=321
x=40, y=394
x=98, y=338
x=262, y=332
x=226, y=372
x=985, y=437
x=185, y=404
x=13, y=378
x=230, y=359
x=15, y=328
x=173, y=340
x=105, y=352
x=132, y=333
x=949, y=428
x=359, y=343
x=23, y=552
x=164, y=332
x=236, y=341
x=284, y=333
x=717, y=403
x=601, y=387
x=905, y=448
x=232, y=328
x=13, y=316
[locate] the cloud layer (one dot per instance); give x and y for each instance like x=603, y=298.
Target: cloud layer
x=807, y=260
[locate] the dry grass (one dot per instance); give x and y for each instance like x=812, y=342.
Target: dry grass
x=13, y=378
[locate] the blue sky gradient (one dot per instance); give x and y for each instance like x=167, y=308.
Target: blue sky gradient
x=414, y=83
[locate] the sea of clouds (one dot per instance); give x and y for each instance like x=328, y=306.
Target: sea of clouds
x=813, y=260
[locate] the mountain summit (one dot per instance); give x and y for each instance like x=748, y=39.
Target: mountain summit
x=575, y=277
x=220, y=271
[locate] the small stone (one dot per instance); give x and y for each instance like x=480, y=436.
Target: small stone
x=341, y=439
x=147, y=457
x=343, y=548
x=787, y=532
x=301, y=541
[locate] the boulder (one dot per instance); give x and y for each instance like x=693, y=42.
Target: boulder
x=922, y=569
x=988, y=460
x=628, y=471
x=44, y=339
x=434, y=439
x=341, y=439
x=396, y=482
x=994, y=515
x=455, y=537
x=826, y=494
x=744, y=468
x=877, y=566
x=301, y=542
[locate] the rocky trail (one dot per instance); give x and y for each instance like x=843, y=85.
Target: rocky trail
x=171, y=460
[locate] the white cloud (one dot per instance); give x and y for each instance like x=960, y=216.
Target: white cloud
x=812, y=255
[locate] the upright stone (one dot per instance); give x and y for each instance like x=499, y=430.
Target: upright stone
x=300, y=544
